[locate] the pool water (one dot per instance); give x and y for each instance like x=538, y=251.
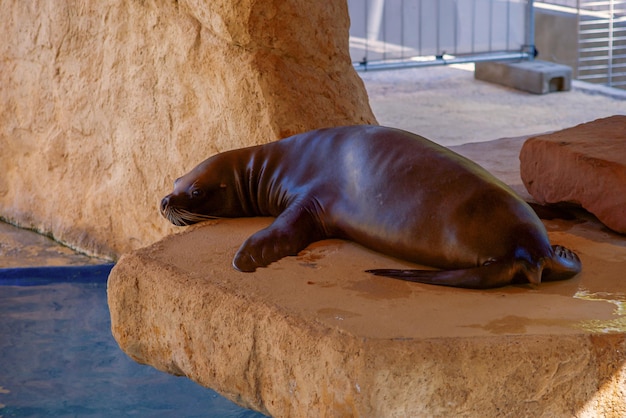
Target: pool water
x=58, y=357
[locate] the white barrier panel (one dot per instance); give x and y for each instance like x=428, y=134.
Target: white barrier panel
x=392, y=30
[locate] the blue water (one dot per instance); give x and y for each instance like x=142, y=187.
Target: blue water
x=58, y=358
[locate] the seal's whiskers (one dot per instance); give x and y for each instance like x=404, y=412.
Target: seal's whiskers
x=182, y=217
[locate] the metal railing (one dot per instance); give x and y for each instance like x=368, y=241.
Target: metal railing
x=602, y=42
x=401, y=33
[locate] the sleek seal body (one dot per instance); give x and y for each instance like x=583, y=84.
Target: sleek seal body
x=389, y=190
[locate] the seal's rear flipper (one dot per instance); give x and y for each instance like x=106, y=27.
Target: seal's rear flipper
x=563, y=265
x=483, y=277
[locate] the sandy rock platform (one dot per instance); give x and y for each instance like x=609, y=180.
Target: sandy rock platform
x=314, y=335
x=585, y=165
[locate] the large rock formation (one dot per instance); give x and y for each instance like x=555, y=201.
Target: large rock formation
x=103, y=104
x=585, y=165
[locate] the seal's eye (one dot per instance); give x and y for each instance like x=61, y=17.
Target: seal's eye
x=196, y=193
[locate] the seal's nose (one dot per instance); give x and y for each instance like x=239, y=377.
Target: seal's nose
x=164, y=203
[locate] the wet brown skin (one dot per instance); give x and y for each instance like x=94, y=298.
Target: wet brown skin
x=389, y=190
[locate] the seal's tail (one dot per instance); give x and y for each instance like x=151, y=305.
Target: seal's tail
x=483, y=277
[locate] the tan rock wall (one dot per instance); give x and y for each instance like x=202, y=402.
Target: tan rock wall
x=103, y=104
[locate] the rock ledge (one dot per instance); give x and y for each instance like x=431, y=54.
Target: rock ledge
x=314, y=335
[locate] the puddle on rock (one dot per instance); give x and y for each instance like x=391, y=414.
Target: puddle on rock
x=618, y=299
x=322, y=284
x=381, y=288
x=513, y=324
x=337, y=314
x=599, y=326
x=604, y=326
x=316, y=252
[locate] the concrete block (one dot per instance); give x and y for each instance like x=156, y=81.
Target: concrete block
x=539, y=77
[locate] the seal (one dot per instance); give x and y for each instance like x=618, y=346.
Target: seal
x=387, y=189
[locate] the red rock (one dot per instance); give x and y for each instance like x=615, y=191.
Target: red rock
x=585, y=165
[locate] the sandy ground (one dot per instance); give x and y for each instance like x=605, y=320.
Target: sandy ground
x=444, y=104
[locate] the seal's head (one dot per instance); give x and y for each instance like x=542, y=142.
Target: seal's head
x=206, y=192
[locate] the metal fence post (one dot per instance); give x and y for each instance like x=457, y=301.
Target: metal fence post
x=530, y=29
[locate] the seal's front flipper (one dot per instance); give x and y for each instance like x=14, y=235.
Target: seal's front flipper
x=289, y=234
x=487, y=276
x=563, y=265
